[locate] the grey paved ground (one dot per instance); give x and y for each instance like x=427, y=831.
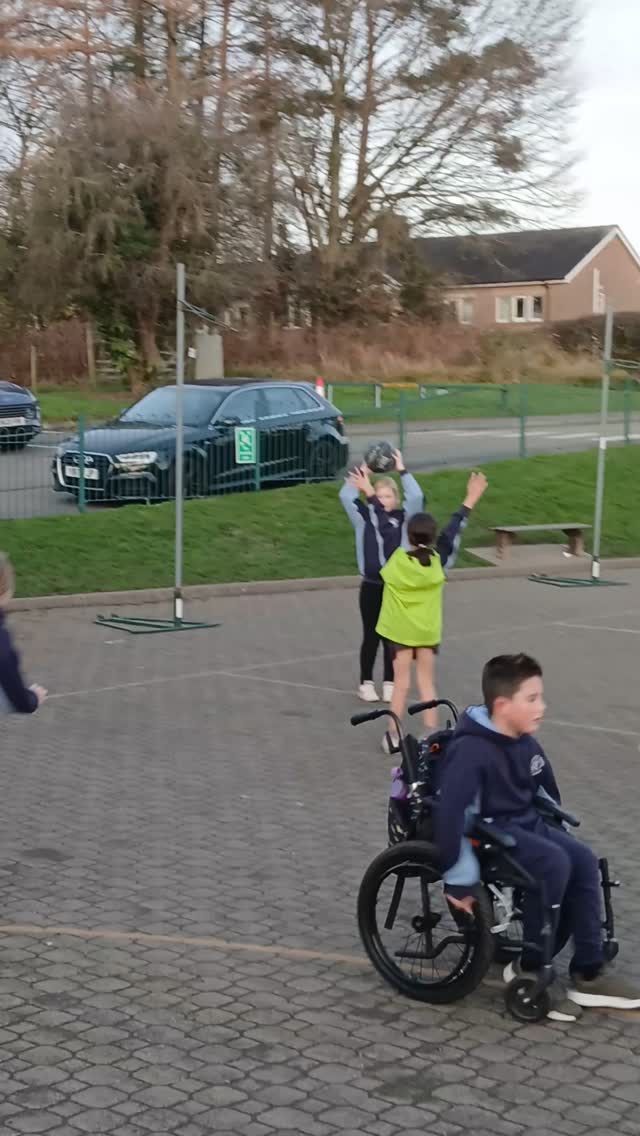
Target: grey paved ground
x=25, y=477
x=206, y=792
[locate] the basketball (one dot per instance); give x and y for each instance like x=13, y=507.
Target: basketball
x=380, y=457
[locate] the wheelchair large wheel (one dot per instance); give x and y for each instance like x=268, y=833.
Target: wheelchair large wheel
x=415, y=940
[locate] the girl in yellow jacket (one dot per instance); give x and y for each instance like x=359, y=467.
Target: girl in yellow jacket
x=411, y=613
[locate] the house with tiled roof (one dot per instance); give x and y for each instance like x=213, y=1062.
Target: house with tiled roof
x=538, y=276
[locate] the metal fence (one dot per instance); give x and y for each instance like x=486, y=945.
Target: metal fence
x=61, y=472
x=55, y=475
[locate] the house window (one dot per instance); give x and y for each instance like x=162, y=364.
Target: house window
x=519, y=309
x=465, y=311
x=462, y=307
x=503, y=309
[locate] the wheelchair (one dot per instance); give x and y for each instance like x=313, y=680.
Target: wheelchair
x=421, y=945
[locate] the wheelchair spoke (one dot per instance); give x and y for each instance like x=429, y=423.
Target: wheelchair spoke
x=395, y=902
x=431, y=947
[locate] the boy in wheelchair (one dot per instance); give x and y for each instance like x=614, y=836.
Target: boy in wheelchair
x=494, y=768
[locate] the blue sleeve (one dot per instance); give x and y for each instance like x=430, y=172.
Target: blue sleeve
x=352, y=505
x=461, y=786
x=21, y=699
x=413, y=497
x=448, y=543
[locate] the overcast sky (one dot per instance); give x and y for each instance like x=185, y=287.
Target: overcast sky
x=609, y=117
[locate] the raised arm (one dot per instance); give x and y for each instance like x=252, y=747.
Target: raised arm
x=448, y=543
x=412, y=496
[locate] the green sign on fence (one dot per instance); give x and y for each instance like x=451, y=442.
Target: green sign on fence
x=245, y=445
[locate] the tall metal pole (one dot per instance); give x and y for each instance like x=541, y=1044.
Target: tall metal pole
x=180, y=317
x=602, y=444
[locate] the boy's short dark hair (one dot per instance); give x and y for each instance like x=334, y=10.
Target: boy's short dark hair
x=503, y=676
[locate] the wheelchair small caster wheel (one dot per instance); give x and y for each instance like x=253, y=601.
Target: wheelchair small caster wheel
x=611, y=949
x=521, y=1005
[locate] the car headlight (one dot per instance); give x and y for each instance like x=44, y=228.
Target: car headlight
x=134, y=462
x=30, y=412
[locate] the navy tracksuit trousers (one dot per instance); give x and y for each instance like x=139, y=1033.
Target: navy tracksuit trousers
x=571, y=877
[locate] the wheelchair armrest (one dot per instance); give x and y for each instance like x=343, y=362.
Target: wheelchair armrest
x=549, y=808
x=482, y=830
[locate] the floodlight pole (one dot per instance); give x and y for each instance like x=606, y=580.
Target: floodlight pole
x=178, y=605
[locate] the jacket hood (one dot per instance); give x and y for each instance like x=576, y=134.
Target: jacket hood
x=406, y=574
x=476, y=722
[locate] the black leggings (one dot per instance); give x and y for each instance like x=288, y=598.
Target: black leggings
x=370, y=604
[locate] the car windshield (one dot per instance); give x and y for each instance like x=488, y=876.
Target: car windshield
x=159, y=407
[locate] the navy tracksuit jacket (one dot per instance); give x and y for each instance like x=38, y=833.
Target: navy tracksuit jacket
x=498, y=777
x=15, y=697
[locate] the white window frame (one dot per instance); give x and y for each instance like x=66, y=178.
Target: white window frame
x=457, y=303
x=534, y=317
x=511, y=303
x=472, y=304
x=515, y=318
x=500, y=300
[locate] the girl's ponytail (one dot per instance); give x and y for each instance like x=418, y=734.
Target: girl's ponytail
x=421, y=531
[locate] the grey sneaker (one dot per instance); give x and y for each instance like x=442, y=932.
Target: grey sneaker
x=561, y=1009
x=607, y=990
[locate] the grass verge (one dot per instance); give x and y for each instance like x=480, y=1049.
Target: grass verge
x=62, y=407
x=302, y=531
x=489, y=400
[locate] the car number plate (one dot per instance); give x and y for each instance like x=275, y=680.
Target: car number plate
x=74, y=471
x=13, y=422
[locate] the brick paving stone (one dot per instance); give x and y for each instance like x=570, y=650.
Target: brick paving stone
x=104, y=829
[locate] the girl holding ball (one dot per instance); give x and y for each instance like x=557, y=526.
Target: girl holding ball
x=380, y=521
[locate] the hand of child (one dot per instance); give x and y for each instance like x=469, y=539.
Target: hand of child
x=399, y=460
x=465, y=904
x=476, y=486
x=360, y=480
x=40, y=693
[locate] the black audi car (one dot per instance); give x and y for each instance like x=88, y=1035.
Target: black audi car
x=19, y=416
x=237, y=436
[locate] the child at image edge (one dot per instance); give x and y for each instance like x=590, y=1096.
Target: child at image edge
x=411, y=614
x=494, y=767
x=15, y=697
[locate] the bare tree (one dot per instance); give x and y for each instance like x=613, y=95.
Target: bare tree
x=451, y=111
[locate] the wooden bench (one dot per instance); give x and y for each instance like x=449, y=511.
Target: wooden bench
x=506, y=535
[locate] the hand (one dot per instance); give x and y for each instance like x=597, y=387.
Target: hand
x=40, y=693
x=465, y=904
x=399, y=460
x=361, y=481
x=476, y=486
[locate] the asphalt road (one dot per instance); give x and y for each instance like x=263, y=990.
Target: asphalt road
x=25, y=482
x=185, y=826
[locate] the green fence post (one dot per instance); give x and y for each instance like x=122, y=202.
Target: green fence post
x=401, y=420
x=82, y=491
x=504, y=400
x=627, y=411
x=258, y=482
x=524, y=399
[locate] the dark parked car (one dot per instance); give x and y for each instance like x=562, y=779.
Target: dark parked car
x=19, y=416
x=300, y=436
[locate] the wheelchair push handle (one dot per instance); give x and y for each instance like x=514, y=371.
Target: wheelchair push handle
x=433, y=704
x=367, y=716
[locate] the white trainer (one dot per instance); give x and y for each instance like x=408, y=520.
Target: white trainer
x=387, y=691
x=367, y=692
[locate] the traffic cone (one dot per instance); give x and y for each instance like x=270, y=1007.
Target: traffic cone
x=320, y=387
